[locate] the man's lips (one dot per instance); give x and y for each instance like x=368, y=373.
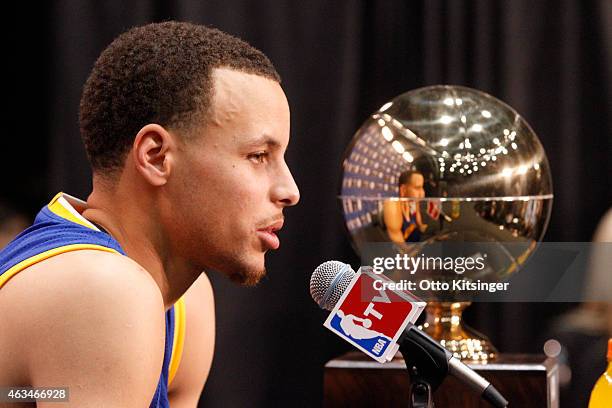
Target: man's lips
x=268, y=234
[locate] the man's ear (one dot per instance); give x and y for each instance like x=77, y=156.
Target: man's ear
x=153, y=153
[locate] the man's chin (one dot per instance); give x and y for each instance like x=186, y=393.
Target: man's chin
x=247, y=277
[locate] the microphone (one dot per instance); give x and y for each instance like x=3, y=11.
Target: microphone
x=331, y=279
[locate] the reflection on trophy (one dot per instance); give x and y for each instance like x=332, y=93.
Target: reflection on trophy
x=403, y=218
x=448, y=164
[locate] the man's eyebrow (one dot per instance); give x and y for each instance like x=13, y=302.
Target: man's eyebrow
x=263, y=140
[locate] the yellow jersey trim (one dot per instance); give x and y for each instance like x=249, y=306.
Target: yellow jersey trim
x=180, y=321
x=14, y=270
x=62, y=208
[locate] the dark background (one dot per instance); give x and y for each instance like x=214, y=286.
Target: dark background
x=340, y=61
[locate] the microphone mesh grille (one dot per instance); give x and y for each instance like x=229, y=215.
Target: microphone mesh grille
x=322, y=279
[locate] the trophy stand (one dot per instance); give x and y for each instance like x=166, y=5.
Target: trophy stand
x=445, y=324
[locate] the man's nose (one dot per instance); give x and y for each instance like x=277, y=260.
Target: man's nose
x=286, y=191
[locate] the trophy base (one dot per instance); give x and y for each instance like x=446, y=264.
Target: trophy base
x=526, y=380
x=444, y=324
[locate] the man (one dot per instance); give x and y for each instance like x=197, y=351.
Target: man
x=403, y=218
x=186, y=129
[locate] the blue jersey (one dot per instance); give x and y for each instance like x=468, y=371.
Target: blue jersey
x=59, y=228
x=410, y=229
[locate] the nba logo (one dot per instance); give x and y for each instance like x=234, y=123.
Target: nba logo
x=370, y=319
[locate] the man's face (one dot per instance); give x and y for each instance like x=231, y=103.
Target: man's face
x=232, y=181
x=414, y=187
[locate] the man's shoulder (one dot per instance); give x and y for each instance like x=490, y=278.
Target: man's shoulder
x=86, y=283
x=82, y=282
x=185, y=389
x=200, y=293
x=75, y=273
x=84, y=306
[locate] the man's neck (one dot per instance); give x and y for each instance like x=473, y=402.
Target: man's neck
x=132, y=223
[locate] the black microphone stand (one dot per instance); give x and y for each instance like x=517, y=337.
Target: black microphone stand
x=427, y=364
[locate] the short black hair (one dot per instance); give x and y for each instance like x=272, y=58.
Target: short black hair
x=157, y=73
x=405, y=176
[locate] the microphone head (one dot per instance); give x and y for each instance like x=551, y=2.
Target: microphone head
x=329, y=281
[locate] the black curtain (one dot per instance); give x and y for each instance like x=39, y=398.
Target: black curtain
x=340, y=61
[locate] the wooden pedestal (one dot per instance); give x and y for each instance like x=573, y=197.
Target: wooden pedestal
x=525, y=380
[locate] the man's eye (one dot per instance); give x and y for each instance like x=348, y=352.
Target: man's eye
x=259, y=157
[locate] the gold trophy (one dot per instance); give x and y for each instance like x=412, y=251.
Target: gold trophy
x=447, y=167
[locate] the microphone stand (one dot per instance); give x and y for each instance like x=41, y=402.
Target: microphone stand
x=427, y=364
